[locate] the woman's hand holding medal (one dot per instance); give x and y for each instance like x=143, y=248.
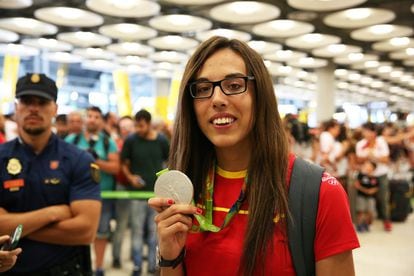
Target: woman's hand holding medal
x=174, y=193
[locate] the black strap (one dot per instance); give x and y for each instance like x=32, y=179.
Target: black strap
x=76, y=141
x=303, y=205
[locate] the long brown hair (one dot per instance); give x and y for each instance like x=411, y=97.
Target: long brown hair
x=192, y=153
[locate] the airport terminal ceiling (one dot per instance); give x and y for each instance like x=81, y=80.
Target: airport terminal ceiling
x=370, y=42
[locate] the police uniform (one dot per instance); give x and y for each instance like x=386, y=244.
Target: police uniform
x=60, y=174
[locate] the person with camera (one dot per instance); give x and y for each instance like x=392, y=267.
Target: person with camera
x=103, y=148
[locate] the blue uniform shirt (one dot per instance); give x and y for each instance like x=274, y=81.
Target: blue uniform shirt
x=60, y=174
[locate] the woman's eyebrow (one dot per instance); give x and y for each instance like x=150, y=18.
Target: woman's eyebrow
x=225, y=77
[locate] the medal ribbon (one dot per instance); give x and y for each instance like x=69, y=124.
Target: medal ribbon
x=206, y=221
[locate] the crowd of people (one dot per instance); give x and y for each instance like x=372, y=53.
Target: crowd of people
x=53, y=175
x=374, y=163
x=231, y=141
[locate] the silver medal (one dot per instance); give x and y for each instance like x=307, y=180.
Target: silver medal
x=176, y=185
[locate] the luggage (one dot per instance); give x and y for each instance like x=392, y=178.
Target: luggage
x=400, y=199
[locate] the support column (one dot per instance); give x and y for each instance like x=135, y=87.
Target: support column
x=325, y=94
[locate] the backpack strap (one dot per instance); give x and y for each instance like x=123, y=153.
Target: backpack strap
x=76, y=139
x=303, y=205
x=106, y=143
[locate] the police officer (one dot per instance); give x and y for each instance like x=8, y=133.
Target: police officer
x=48, y=186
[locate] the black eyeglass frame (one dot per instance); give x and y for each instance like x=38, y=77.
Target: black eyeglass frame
x=218, y=83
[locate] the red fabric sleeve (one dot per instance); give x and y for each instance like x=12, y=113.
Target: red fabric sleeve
x=335, y=232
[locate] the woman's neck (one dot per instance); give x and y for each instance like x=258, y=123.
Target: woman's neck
x=233, y=159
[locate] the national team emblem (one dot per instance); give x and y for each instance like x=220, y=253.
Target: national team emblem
x=54, y=164
x=96, y=176
x=35, y=78
x=14, y=167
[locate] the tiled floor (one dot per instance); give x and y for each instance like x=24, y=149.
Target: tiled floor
x=381, y=253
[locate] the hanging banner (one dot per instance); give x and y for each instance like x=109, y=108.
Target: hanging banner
x=123, y=92
x=174, y=93
x=8, y=87
x=161, y=106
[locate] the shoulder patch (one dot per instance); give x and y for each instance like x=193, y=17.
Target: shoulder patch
x=95, y=173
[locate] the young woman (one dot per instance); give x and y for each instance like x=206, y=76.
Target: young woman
x=230, y=141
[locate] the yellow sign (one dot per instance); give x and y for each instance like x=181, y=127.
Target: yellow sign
x=123, y=92
x=10, y=73
x=14, y=167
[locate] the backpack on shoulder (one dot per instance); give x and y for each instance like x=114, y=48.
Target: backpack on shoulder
x=304, y=188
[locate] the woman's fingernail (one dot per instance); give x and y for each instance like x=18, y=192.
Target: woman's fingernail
x=199, y=211
x=170, y=201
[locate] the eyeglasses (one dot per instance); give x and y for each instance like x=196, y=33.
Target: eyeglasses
x=229, y=86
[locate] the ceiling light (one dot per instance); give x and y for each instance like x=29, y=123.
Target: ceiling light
x=381, y=29
x=377, y=84
x=406, y=78
x=358, y=14
x=385, y=69
x=395, y=89
x=84, y=35
x=48, y=42
x=229, y=33
x=69, y=13
x=126, y=28
x=245, y=8
x=94, y=51
x=180, y=19
x=283, y=24
x=267, y=63
x=302, y=74
x=284, y=53
x=312, y=38
x=371, y=64
x=354, y=77
x=133, y=59
x=341, y=72
x=410, y=51
x=396, y=74
x=129, y=46
x=366, y=80
x=173, y=39
x=336, y=48
x=355, y=56
x=124, y=4
x=399, y=41
x=285, y=69
x=306, y=61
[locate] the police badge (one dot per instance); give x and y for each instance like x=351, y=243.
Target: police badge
x=14, y=167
